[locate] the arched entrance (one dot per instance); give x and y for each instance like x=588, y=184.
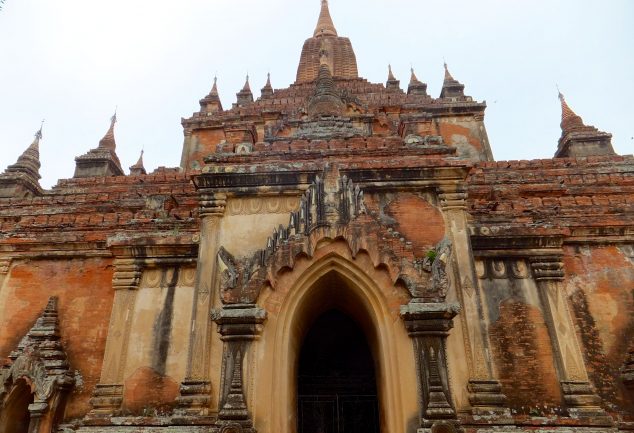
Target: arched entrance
x=15, y=413
x=366, y=295
x=337, y=391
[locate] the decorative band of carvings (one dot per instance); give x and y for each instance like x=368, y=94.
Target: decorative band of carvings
x=257, y=205
x=5, y=265
x=502, y=268
x=547, y=268
x=127, y=274
x=212, y=204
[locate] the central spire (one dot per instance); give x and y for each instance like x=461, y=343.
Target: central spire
x=325, y=41
x=325, y=26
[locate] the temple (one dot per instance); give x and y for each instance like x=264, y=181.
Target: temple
x=336, y=256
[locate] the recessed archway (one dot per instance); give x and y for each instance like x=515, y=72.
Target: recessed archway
x=331, y=279
x=15, y=412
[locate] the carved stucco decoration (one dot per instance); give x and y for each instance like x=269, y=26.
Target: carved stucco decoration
x=437, y=266
x=333, y=209
x=40, y=358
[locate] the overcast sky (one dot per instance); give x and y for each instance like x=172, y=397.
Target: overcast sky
x=72, y=62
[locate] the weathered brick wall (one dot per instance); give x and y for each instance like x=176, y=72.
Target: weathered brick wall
x=60, y=247
x=92, y=209
x=589, y=204
x=569, y=193
x=600, y=285
x=404, y=212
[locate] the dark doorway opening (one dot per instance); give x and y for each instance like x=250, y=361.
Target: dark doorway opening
x=336, y=385
x=15, y=413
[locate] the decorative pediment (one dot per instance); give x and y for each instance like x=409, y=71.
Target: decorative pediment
x=40, y=358
x=333, y=209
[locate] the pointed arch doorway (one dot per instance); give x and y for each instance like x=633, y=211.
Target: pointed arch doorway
x=15, y=417
x=337, y=389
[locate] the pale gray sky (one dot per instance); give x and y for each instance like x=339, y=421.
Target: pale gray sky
x=72, y=61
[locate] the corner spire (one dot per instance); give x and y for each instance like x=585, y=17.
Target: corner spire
x=247, y=86
x=22, y=178
x=103, y=160
x=448, y=76
x=245, y=96
x=29, y=162
x=108, y=141
x=577, y=138
x=451, y=88
x=325, y=26
x=267, y=90
x=416, y=87
x=413, y=78
x=392, y=82
x=390, y=74
x=569, y=119
x=211, y=103
x=138, y=169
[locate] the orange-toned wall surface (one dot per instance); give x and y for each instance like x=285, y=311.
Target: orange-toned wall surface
x=600, y=285
x=84, y=289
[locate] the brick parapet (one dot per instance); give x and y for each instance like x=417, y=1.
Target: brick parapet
x=93, y=209
x=566, y=193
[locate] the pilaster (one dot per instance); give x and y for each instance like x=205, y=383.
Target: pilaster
x=108, y=394
x=485, y=391
x=37, y=411
x=195, y=390
x=579, y=395
x=238, y=325
x=428, y=324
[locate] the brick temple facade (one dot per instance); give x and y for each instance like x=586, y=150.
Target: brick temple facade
x=334, y=257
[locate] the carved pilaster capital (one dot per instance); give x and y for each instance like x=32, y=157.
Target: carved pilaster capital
x=212, y=203
x=423, y=319
x=127, y=274
x=547, y=268
x=452, y=196
x=239, y=322
x=37, y=409
x=5, y=265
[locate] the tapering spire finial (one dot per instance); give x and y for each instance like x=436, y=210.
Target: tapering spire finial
x=448, y=76
x=138, y=169
x=416, y=87
x=267, y=90
x=214, y=88
x=569, y=119
x=28, y=163
x=245, y=96
x=108, y=141
x=325, y=26
x=390, y=75
x=392, y=83
x=247, y=86
x=413, y=78
x=38, y=134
